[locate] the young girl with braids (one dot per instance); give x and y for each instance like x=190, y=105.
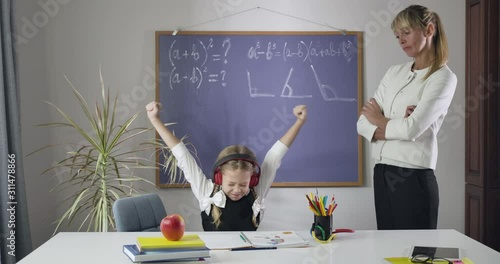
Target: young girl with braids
x=234, y=201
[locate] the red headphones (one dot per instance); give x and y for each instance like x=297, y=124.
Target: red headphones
x=254, y=180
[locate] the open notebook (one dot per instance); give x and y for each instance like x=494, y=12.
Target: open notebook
x=231, y=240
x=274, y=239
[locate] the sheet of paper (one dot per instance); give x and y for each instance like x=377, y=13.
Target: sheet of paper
x=401, y=260
x=226, y=240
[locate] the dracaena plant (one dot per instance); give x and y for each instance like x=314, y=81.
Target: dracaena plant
x=168, y=162
x=101, y=168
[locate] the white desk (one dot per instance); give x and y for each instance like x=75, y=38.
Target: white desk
x=359, y=247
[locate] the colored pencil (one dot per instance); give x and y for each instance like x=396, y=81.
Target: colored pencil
x=319, y=205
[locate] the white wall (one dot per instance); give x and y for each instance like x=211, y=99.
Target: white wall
x=72, y=38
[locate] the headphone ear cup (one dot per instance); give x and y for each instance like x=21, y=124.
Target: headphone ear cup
x=217, y=177
x=254, y=180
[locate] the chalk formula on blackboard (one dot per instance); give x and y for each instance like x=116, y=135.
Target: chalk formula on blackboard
x=225, y=88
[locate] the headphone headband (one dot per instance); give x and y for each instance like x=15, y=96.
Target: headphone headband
x=244, y=157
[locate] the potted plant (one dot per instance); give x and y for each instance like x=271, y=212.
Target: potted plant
x=101, y=169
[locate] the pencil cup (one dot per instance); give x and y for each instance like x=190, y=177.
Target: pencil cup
x=322, y=227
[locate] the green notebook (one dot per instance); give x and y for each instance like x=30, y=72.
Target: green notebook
x=187, y=241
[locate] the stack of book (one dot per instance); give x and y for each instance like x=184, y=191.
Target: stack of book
x=159, y=249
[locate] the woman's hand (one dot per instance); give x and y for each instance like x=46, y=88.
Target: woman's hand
x=409, y=110
x=371, y=110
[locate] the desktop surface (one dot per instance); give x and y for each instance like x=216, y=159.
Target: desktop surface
x=359, y=247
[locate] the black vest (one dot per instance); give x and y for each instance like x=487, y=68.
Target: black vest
x=236, y=216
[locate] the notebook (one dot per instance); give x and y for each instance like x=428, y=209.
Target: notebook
x=164, y=254
x=187, y=241
x=274, y=239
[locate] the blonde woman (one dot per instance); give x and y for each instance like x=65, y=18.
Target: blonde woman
x=402, y=121
x=234, y=200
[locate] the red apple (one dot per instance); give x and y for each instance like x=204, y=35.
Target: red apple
x=172, y=227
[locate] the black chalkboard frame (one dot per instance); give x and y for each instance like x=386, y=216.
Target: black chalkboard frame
x=161, y=180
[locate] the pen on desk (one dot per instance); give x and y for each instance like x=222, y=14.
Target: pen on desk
x=252, y=248
x=242, y=237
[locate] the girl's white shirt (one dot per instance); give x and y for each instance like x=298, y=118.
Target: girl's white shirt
x=202, y=187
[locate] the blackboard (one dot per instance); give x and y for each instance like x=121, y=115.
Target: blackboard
x=225, y=88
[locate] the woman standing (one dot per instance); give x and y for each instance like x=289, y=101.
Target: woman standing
x=402, y=121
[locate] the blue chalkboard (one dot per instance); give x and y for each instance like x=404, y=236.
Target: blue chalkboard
x=225, y=88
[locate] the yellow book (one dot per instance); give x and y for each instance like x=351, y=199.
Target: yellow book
x=187, y=241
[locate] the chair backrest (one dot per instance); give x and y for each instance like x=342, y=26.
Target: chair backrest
x=139, y=213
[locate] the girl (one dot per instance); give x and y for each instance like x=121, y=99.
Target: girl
x=403, y=119
x=237, y=176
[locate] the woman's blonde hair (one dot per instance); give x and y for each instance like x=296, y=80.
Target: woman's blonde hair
x=419, y=17
x=233, y=165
